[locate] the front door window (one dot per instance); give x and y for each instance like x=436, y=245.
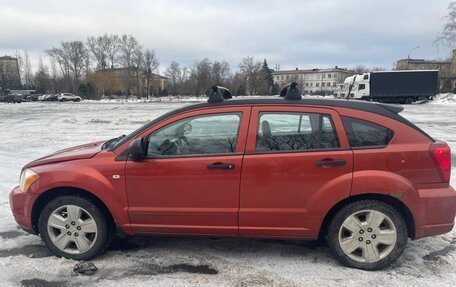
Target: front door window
x=208, y=134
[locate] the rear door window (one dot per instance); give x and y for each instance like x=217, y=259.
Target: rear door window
x=362, y=133
x=295, y=131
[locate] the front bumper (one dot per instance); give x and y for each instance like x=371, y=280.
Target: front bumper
x=21, y=205
x=436, y=211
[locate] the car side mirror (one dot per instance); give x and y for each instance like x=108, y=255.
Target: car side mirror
x=137, y=149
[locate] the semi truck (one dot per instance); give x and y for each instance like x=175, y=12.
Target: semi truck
x=403, y=87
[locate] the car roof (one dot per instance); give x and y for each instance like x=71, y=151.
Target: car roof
x=373, y=107
x=387, y=110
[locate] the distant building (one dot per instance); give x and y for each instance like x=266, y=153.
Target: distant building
x=9, y=73
x=121, y=79
x=313, y=81
x=446, y=68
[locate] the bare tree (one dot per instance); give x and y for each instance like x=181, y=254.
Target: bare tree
x=201, y=76
x=360, y=69
x=71, y=58
x=136, y=66
x=251, y=70
x=98, y=47
x=173, y=72
x=220, y=72
x=42, y=79
x=129, y=46
x=237, y=84
x=76, y=53
x=58, y=56
x=377, y=68
x=448, y=35
x=28, y=76
x=150, y=65
x=113, y=48
x=105, y=49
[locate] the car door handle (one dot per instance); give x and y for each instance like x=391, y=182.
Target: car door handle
x=330, y=162
x=221, y=165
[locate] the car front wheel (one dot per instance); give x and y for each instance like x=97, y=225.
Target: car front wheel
x=367, y=234
x=74, y=227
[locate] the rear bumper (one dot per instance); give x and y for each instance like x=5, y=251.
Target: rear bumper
x=436, y=211
x=21, y=206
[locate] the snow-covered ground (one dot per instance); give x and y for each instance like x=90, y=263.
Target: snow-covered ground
x=32, y=130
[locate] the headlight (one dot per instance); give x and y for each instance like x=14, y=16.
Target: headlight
x=28, y=177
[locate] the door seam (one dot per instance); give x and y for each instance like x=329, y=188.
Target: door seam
x=242, y=167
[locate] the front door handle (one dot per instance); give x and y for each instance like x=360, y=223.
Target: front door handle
x=221, y=165
x=330, y=162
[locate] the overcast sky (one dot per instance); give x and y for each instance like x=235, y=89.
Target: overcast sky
x=304, y=34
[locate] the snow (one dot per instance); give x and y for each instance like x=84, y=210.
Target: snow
x=446, y=98
x=32, y=130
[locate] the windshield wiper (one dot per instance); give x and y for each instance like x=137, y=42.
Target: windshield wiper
x=109, y=143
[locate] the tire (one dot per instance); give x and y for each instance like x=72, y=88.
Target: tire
x=63, y=100
x=388, y=238
x=69, y=232
x=408, y=101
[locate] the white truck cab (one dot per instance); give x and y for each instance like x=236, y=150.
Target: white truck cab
x=359, y=87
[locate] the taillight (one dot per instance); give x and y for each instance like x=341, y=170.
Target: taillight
x=441, y=154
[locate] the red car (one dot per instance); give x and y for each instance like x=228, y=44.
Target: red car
x=354, y=173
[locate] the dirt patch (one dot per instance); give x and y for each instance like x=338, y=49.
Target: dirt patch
x=434, y=256
x=11, y=234
x=197, y=269
x=120, y=244
x=155, y=269
x=34, y=282
x=33, y=251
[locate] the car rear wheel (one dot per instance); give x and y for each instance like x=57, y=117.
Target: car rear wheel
x=74, y=227
x=367, y=234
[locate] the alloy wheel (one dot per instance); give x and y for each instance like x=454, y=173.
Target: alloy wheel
x=72, y=229
x=367, y=236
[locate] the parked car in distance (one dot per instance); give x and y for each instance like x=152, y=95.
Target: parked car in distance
x=66, y=97
x=13, y=98
x=32, y=97
x=44, y=97
x=356, y=174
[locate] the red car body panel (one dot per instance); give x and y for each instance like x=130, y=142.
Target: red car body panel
x=84, y=151
x=276, y=194
x=286, y=194
x=180, y=195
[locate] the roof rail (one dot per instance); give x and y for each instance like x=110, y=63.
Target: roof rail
x=291, y=92
x=218, y=94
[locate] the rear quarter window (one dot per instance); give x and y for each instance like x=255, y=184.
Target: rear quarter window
x=362, y=133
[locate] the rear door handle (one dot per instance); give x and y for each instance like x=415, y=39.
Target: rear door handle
x=221, y=165
x=330, y=162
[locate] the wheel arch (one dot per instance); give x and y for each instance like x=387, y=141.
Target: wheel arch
x=50, y=194
x=396, y=203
